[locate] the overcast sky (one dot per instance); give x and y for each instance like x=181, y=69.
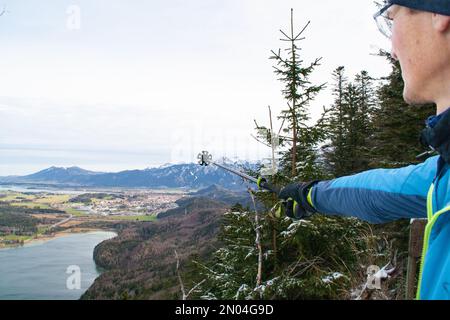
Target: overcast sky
x=110, y=85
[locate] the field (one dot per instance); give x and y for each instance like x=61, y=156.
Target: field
x=51, y=213
x=134, y=218
x=38, y=200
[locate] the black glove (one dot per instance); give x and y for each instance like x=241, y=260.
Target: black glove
x=296, y=202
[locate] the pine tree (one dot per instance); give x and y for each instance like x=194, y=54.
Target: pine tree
x=349, y=124
x=231, y=272
x=299, y=92
x=317, y=259
x=364, y=128
x=395, y=142
x=335, y=154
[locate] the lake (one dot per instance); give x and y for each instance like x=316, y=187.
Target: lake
x=31, y=189
x=62, y=268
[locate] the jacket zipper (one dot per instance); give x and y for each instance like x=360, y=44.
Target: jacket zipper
x=428, y=229
x=431, y=220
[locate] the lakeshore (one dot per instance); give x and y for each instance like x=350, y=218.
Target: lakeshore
x=42, y=238
x=42, y=269
x=27, y=216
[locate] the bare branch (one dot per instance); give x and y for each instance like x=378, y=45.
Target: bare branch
x=179, y=277
x=195, y=287
x=272, y=141
x=278, y=56
x=183, y=292
x=257, y=242
x=303, y=30
x=288, y=38
x=264, y=143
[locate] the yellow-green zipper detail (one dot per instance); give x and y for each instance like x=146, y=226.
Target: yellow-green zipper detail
x=430, y=202
x=431, y=221
x=309, y=198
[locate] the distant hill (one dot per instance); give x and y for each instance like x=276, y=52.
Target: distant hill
x=60, y=175
x=192, y=204
x=192, y=176
x=214, y=196
x=222, y=194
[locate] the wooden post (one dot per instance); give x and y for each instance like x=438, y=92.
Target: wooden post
x=416, y=234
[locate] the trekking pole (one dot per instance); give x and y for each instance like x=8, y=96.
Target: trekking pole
x=289, y=206
x=205, y=159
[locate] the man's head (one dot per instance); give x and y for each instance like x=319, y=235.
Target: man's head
x=421, y=42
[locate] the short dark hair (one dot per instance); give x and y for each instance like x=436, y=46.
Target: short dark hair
x=435, y=6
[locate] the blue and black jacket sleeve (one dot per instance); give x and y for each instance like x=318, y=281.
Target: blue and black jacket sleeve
x=379, y=195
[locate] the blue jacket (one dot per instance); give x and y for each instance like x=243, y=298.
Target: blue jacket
x=415, y=191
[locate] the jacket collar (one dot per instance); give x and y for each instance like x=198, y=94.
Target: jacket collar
x=436, y=135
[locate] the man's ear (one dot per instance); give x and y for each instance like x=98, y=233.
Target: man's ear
x=441, y=23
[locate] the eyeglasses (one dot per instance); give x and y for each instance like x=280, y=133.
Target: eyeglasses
x=384, y=20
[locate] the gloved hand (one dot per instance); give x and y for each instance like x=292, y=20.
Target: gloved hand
x=295, y=196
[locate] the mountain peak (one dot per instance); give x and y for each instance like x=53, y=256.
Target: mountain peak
x=75, y=169
x=59, y=174
x=165, y=165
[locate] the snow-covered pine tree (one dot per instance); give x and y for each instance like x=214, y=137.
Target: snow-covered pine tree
x=231, y=272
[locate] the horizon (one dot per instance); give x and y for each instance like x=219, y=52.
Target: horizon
x=98, y=170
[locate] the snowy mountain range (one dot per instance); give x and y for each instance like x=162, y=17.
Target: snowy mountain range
x=189, y=175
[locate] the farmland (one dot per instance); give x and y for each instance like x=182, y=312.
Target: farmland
x=26, y=216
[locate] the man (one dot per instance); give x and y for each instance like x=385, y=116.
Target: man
x=420, y=34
